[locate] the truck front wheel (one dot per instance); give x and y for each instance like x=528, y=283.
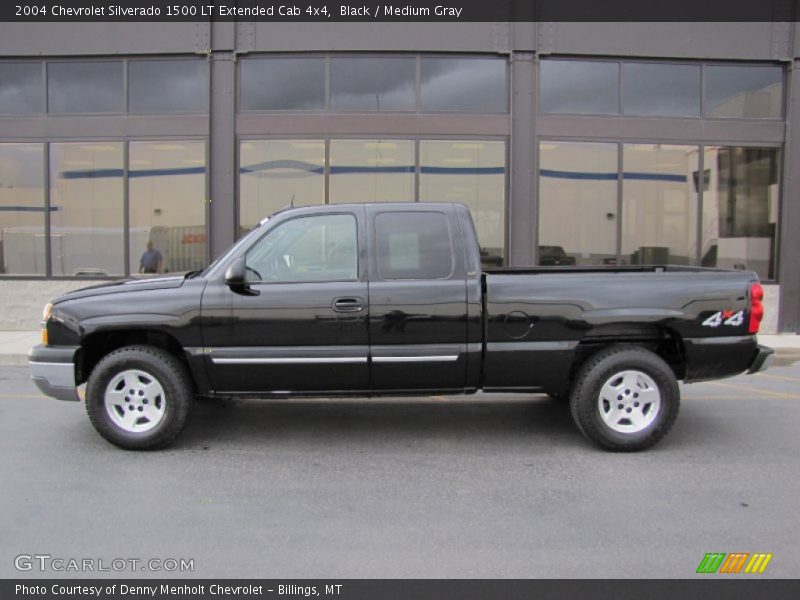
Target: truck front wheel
x=625, y=398
x=139, y=397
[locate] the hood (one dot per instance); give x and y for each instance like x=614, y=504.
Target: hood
x=124, y=285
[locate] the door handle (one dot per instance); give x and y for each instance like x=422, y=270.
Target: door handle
x=348, y=304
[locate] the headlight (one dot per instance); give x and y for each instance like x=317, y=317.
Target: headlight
x=48, y=308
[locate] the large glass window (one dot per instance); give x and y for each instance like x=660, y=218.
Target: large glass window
x=278, y=173
x=740, y=208
x=749, y=92
x=371, y=171
x=580, y=87
x=21, y=88
x=282, y=83
x=318, y=248
x=157, y=86
x=85, y=87
x=372, y=83
x=166, y=200
x=477, y=85
x=413, y=245
x=661, y=89
x=22, y=242
x=470, y=172
x=577, y=203
x=86, y=208
x=659, y=204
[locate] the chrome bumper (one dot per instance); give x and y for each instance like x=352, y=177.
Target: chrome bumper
x=762, y=360
x=53, y=371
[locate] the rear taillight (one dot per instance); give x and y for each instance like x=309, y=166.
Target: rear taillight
x=756, y=307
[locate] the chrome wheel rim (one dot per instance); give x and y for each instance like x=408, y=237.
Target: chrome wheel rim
x=629, y=401
x=135, y=401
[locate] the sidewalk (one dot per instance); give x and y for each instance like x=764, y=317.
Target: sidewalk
x=14, y=346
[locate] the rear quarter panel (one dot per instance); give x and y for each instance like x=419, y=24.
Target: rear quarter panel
x=535, y=322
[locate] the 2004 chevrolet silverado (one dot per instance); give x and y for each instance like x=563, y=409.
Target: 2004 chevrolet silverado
x=389, y=299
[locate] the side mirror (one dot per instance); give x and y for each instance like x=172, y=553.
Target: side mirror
x=235, y=275
x=235, y=278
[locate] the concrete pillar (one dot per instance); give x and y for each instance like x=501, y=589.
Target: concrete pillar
x=222, y=138
x=789, y=259
x=523, y=150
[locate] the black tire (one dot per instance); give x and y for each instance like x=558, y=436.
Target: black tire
x=175, y=403
x=588, y=407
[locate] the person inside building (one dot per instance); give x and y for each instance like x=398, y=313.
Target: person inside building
x=151, y=260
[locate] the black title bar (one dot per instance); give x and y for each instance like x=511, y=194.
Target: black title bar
x=402, y=11
x=400, y=589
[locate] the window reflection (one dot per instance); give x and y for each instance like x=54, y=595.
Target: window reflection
x=373, y=83
x=22, y=242
x=167, y=85
x=740, y=208
x=752, y=92
x=166, y=199
x=276, y=173
x=85, y=87
x=470, y=172
x=579, y=87
x=282, y=83
x=661, y=89
x=577, y=203
x=464, y=84
x=371, y=171
x=659, y=204
x=21, y=88
x=86, y=196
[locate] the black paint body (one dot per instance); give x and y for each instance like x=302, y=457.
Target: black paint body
x=499, y=330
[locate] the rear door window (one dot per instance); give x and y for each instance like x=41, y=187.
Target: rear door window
x=413, y=245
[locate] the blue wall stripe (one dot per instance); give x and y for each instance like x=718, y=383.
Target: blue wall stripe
x=27, y=208
x=633, y=175
x=348, y=170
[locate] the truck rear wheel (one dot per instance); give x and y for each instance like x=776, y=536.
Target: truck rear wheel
x=139, y=397
x=625, y=398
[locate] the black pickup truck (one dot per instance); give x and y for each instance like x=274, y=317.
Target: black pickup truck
x=389, y=299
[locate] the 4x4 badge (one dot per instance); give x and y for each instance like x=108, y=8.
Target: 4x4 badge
x=725, y=317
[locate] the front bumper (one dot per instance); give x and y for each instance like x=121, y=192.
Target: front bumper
x=762, y=360
x=53, y=371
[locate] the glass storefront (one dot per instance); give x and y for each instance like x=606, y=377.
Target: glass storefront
x=278, y=173
x=471, y=173
x=372, y=83
x=661, y=197
x=86, y=208
x=22, y=210
x=659, y=204
x=167, y=205
x=740, y=208
x=21, y=88
x=577, y=203
x=371, y=171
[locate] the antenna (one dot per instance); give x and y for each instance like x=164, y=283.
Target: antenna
x=291, y=202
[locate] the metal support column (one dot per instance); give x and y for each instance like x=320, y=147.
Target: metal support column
x=522, y=183
x=789, y=259
x=222, y=138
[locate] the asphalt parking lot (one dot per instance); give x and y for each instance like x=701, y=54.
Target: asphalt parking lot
x=477, y=487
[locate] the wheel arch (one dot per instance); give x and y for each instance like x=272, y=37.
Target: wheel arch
x=98, y=344
x=662, y=340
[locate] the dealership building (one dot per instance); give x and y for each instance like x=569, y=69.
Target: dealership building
x=572, y=143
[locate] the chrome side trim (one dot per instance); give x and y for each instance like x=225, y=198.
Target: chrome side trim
x=411, y=359
x=315, y=360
